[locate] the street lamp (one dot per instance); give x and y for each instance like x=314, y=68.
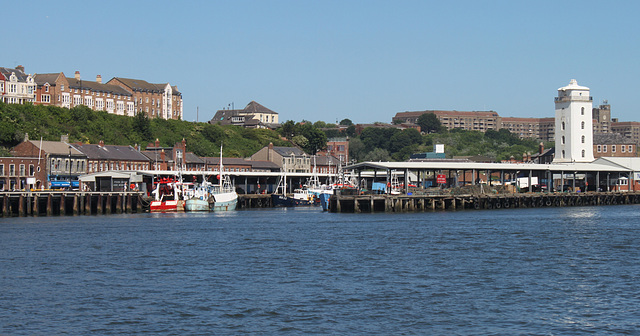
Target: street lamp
x=70, y=168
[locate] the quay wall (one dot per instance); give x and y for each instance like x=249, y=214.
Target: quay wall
x=409, y=203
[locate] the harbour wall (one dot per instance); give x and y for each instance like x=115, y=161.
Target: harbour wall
x=411, y=203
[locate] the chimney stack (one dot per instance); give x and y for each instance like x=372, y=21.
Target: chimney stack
x=157, y=143
x=64, y=138
x=26, y=137
x=20, y=67
x=77, y=76
x=541, y=148
x=101, y=143
x=99, y=79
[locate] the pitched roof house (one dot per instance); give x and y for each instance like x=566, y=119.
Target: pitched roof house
x=253, y=115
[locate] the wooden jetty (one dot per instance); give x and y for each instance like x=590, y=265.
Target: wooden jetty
x=56, y=203
x=409, y=203
x=253, y=201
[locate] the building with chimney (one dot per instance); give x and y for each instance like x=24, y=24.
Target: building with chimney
x=155, y=100
x=16, y=87
x=58, y=90
x=253, y=115
x=289, y=159
x=63, y=163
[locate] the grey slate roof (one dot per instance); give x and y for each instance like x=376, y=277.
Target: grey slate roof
x=192, y=158
x=22, y=77
x=325, y=160
x=97, y=87
x=611, y=139
x=288, y=151
x=142, y=85
x=111, y=152
x=50, y=78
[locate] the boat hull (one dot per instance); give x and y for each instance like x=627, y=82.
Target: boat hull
x=196, y=204
x=225, y=201
x=286, y=201
x=166, y=206
x=324, y=201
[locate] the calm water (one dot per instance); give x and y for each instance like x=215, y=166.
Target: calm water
x=552, y=271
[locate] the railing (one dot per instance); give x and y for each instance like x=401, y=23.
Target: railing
x=573, y=98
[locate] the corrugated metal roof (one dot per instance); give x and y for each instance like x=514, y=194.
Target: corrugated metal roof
x=567, y=167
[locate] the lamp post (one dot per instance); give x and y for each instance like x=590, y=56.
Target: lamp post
x=70, y=168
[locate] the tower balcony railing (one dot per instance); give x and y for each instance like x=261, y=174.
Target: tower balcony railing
x=573, y=98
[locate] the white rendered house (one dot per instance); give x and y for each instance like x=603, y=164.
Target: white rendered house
x=574, y=126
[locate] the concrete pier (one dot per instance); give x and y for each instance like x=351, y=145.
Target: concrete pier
x=413, y=203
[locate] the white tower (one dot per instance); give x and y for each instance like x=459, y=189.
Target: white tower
x=574, y=127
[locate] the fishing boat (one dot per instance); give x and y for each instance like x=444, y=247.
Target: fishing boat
x=199, y=197
x=300, y=197
x=207, y=197
x=167, y=196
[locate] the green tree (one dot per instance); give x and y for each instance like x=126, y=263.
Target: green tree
x=142, y=125
x=377, y=154
x=346, y=122
x=429, y=123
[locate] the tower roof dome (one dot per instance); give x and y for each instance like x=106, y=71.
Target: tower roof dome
x=573, y=85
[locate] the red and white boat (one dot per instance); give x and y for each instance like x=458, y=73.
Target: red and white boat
x=167, y=196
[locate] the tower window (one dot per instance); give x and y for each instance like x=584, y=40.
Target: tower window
x=582, y=125
x=583, y=153
x=583, y=139
x=562, y=140
x=582, y=111
x=563, y=125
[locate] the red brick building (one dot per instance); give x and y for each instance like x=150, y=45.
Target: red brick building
x=18, y=173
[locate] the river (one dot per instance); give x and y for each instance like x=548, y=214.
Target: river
x=550, y=271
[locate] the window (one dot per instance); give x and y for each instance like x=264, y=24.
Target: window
x=604, y=148
x=12, y=170
x=613, y=148
x=563, y=154
x=32, y=171
x=562, y=140
x=45, y=98
x=583, y=153
x=562, y=126
x=630, y=149
x=582, y=125
x=61, y=87
x=583, y=139
x=1, y=169
x=599, y=148
x=623, y=148
x=582, y=111
x=23, y=172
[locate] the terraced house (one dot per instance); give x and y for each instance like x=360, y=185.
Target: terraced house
x=58, y=90
x=16, y=87
x=156, y=100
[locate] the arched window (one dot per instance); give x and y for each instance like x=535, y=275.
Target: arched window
x=582, y=111
x=582, y=125
x=583, y=153
x=583, y=139
x=562, y=140
x=563, y=153
x=563, y=125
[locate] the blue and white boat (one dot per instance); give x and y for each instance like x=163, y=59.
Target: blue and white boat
x=208, y=197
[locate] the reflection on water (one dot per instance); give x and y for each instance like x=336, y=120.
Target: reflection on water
x=550, y=271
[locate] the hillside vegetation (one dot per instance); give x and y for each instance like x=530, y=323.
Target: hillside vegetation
x=88, y=126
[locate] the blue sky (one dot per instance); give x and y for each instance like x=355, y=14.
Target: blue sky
x=329, y=60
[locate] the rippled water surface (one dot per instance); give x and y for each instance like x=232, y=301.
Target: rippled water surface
x=551, y=271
